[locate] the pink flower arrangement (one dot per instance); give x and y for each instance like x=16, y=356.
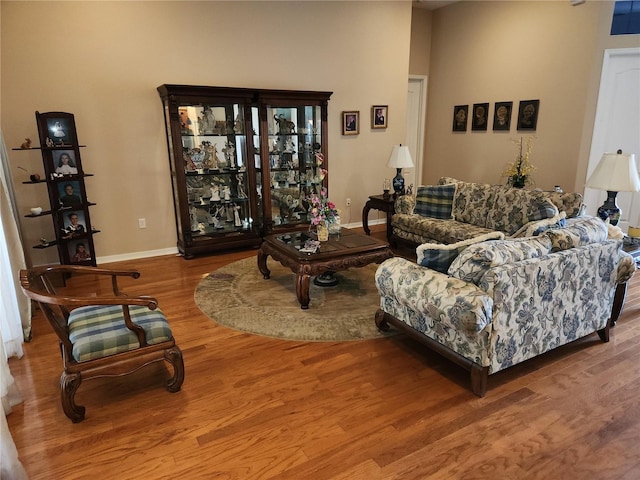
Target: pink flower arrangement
x=321, y=210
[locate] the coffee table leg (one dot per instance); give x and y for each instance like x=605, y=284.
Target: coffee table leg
x=302, y=289
x=262, y=264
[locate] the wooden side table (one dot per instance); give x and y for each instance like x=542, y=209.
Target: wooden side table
x=621, y=290
x=382, y=203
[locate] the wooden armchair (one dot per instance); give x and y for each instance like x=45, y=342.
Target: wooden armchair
x=102, y=336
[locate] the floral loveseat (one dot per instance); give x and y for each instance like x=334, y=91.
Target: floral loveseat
x=454, y=211
x=501, y=302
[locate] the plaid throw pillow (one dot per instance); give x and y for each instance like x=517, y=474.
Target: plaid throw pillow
x=543, y=208
x=435, y=201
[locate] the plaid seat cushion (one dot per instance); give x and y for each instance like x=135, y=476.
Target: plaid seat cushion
x=99, y=331
x=435, y=201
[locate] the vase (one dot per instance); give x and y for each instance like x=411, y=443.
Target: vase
x=518, y=181
x=322, y=231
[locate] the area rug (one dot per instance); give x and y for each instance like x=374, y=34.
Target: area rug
x=238, y=297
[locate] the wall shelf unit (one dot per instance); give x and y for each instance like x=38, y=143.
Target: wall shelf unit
x=64, y=178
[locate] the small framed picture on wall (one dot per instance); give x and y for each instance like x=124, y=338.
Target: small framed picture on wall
x=379, y=116
x=480, y=117
x=502, y=116
x=460, y=114
x=351, y=122
x=528, y=114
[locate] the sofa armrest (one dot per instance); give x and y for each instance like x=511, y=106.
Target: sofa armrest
x=548, y=301
x=405, y=204
x=626, y=268
x=456, y=303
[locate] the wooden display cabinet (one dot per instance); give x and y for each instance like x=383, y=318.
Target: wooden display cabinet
x=242, y=162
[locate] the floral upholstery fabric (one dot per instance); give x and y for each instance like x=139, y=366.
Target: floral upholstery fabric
x=477, y=259
x=570, y=202
x=482, y=208
x=520, y=309
x=577, y=233
x=626, y=268
x=405, y=204
x=419, y=229
x=472, y=202
x=514, y=207
x=467, y=310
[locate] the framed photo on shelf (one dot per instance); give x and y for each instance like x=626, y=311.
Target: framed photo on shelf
x=480, y=117
x=460, y=114
x=69, y=193
x=528, y=114
x=57, y=128
x=502, y=116
x=64, y=162
x=379, y=116
x=73, y=224
x=351, y=122
x=79, y=251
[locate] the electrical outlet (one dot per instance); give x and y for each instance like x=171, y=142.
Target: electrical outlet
x=142, y=223
x=348, y=202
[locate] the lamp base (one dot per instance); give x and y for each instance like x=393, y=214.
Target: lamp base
x=398, y=182
x=609, y=210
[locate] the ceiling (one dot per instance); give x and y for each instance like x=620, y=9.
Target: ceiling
x=432, y=4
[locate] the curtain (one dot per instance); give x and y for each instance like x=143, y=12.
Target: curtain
x=15, y=315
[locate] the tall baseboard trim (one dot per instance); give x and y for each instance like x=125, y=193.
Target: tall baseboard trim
x=136, y=255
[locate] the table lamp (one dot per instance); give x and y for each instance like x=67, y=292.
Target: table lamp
x=400, y=158
x=616, y=172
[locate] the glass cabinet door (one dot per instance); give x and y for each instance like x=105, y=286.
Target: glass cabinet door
x=214, y=151
x=296, y=163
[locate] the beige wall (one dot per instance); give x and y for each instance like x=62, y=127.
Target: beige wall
x=102, y=61
x=420, y=54
x=512, y=51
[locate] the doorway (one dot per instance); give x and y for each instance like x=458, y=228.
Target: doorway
x=416, y=109
x=616, y=126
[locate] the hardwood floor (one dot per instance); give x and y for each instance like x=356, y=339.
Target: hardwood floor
x=259, y=408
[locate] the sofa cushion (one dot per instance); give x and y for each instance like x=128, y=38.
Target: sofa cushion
x=435, y=201
x=474, y=261
x=569, y=202
x=471, y=203
x=514, y=207
x=438, y=256
x=419, y=229
x=577, y=233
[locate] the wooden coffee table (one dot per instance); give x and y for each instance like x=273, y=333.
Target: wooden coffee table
x=349, y=250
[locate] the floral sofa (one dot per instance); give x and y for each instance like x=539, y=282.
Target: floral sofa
x=501, y=302
x=454, y=211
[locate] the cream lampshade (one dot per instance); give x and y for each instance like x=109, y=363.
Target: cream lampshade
x=616, y=172
x=400, y=158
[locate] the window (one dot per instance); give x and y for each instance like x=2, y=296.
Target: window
x=626, y=18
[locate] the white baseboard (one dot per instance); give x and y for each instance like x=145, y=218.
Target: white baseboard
x=136, y=255
x=174, y=251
